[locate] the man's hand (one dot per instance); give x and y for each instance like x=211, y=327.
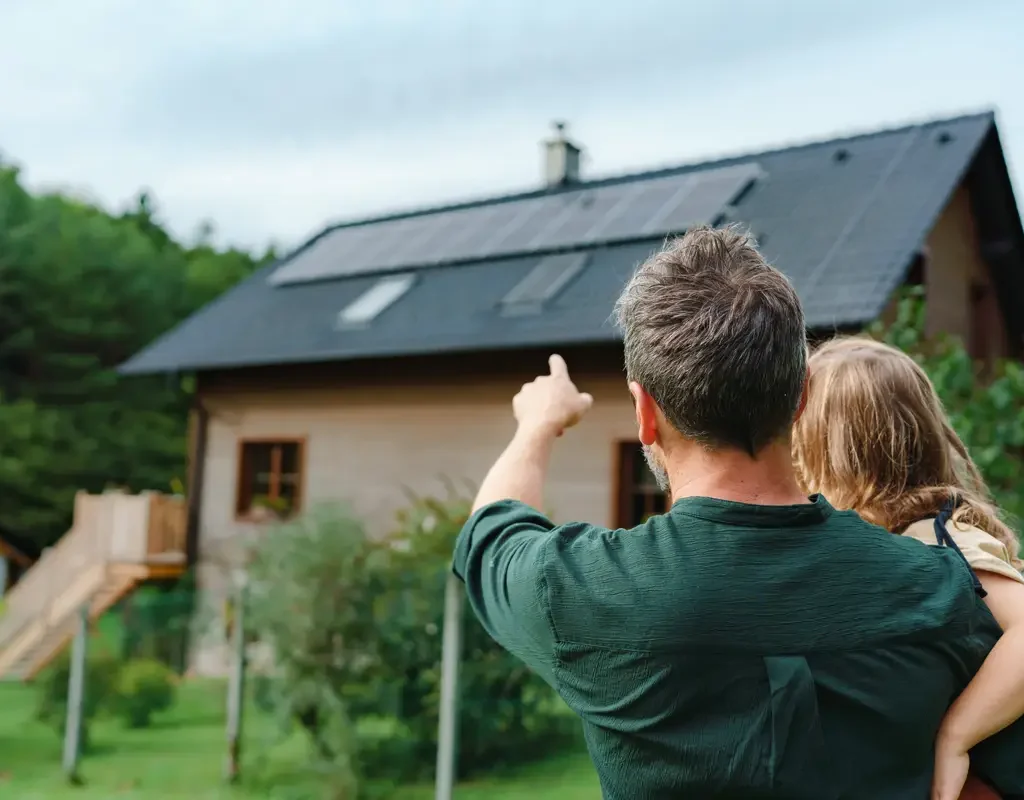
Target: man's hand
x=551, y=403
x=544, y=408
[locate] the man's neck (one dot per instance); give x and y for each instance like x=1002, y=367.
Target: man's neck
x=733, y=475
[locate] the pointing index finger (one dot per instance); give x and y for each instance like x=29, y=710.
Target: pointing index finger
x=557, y=365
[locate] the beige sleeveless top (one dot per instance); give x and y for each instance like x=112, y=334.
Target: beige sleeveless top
x=983, y=551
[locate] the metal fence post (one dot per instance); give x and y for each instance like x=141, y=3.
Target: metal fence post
x=236, y=687
x=448, y=718
x=76, y=698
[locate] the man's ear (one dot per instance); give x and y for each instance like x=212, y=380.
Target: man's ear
x=646, y=414
x=804, y=391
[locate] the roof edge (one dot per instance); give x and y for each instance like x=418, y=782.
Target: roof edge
x=612, y=338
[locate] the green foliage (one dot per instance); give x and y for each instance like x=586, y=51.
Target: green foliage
x=156, y=623
x=355, y=625
x=310, y=597
x=278, y=506
x=52, y=690
x=81, y=291
x=513, y=715
x=985, y=403
x=133, y=690
x=144, y=687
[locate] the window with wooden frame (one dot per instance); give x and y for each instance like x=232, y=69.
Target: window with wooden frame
x=638, y=494
x=269, y=477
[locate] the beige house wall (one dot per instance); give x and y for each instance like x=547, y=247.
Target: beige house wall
x=364, y=445
x=958, y=286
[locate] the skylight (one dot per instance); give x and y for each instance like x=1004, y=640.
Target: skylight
x=371, y=303
x=543, y=283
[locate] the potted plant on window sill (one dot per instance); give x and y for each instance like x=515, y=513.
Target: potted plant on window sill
x=269, y=509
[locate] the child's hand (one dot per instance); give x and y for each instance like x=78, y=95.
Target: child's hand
x=951, y=767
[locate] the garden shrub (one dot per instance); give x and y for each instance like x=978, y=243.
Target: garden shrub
x=311, y=583
x=357, y=623
x=144, y=688
x=52, y=690
x=157, y=621
x=508, y=715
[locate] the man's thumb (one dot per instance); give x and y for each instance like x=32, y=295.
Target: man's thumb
x=587, y=400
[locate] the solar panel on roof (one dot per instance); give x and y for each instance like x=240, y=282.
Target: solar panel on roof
x=458, y=226
x=633, y=217
x=427, y=247
x=528, y=217
x=371, y=303
x=476, y=226
x=579, y=211
x=630, y=210
x=543, y=283
x=320, y=259
x=407, y=243
x=526, y=228
x=588, y=215
x=714, y=192
x=685, y=189
x=380, y=252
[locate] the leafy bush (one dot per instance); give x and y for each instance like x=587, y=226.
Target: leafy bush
x=52, y=687
x=144, y=687
x=310, y=593
x=357, y=623
x=156, y=621
x=513, y=715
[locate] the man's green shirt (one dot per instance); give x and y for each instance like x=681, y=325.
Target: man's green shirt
x=736, y=651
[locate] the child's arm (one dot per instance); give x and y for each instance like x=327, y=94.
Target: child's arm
x=995, y=696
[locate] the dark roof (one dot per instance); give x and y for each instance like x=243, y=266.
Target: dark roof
x=843, y=219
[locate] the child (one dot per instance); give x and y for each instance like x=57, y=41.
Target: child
x=874, y=438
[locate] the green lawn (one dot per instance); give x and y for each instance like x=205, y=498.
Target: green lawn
x=181, y=756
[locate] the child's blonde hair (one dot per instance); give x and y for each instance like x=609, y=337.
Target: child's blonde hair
x=874, y=438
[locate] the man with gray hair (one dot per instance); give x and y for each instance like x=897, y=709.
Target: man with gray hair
x=752, y=642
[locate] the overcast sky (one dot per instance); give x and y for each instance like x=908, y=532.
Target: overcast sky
x=272, y=117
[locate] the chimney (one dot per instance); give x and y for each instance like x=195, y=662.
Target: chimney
x=561, y=159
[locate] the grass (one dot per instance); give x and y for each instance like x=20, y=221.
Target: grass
x=182, y=755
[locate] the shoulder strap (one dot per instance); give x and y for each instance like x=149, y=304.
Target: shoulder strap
x=943, y=537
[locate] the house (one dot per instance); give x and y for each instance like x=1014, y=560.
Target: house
x=382, y=355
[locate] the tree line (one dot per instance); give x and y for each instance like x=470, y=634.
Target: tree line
x=82, y=290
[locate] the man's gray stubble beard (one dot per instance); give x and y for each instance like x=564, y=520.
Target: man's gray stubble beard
x=659, y=472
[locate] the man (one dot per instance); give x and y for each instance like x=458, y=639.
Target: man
x=752, y=642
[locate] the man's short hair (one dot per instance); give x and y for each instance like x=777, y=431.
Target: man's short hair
x=716, y=336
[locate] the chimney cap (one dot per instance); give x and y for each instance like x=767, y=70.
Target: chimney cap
x=561, y=158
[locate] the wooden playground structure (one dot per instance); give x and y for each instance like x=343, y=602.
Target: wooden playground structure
x=116, y=543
